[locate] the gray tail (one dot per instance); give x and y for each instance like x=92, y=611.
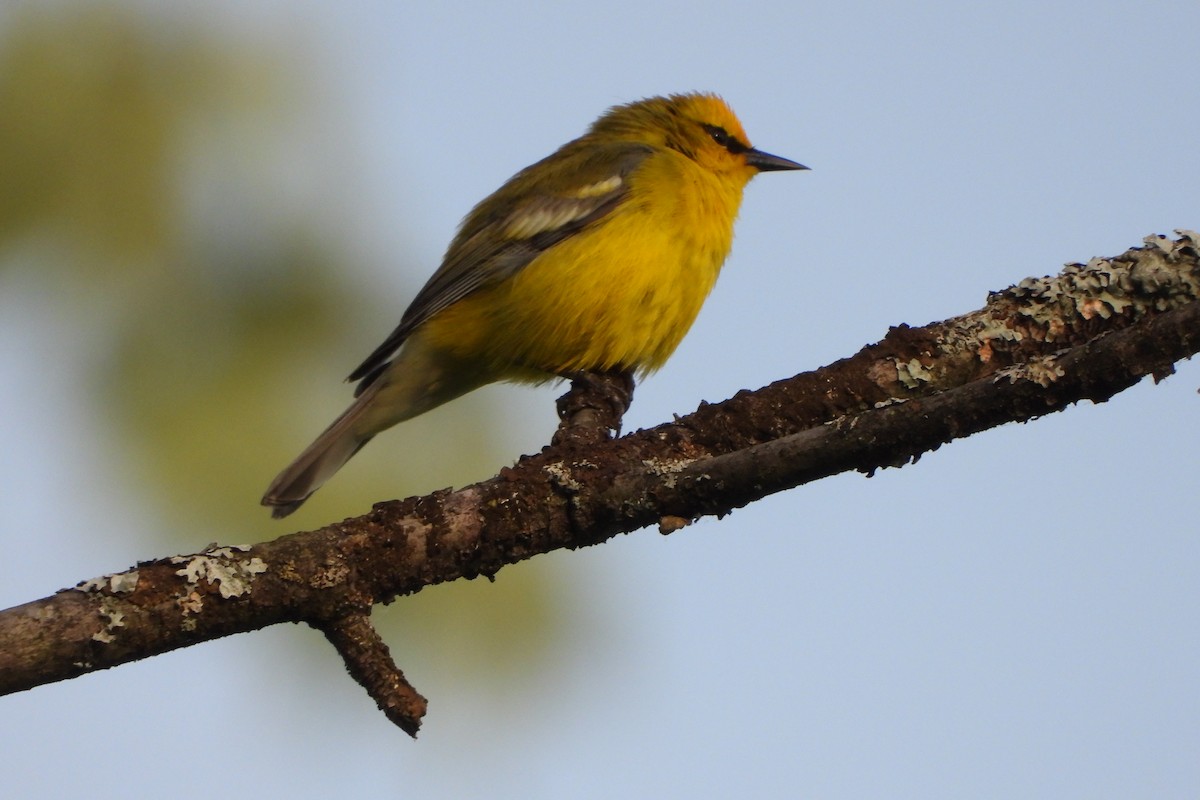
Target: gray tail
x=316, y=464
x=420, y=378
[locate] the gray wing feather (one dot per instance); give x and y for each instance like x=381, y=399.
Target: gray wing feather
x=491, y=249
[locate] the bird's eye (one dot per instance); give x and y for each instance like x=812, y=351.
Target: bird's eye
x=719, y=135
x=725, y=139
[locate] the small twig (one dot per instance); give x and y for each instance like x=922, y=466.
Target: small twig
x=591, y=410
x=370, y=663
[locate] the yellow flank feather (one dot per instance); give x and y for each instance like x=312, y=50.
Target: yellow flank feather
x=595, y=259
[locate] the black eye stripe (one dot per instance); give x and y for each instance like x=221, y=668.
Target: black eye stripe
x=719, y=135
x=725, y=139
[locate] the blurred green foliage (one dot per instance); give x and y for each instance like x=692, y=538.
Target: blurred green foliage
x=218, y=352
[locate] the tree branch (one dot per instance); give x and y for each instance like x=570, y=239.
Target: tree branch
x=1035, y=348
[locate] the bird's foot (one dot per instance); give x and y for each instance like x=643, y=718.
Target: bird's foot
x=591, y=410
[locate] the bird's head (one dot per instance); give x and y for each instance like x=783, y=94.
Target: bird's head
x=701, y=126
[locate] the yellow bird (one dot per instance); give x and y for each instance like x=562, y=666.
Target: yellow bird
x=595, y=259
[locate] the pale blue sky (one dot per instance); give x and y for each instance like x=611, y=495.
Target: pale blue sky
x=1014, y=616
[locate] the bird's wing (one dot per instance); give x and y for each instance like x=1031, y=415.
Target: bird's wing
x=537, y=208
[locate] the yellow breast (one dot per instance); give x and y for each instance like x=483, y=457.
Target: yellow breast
x=618, y=295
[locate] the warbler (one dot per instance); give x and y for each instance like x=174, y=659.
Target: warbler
x=595, y=259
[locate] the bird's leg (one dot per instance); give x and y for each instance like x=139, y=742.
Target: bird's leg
x=591, y=410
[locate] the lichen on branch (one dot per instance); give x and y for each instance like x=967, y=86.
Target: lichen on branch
x=1089, y=332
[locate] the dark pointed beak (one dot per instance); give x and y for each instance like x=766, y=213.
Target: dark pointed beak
x=765, y=162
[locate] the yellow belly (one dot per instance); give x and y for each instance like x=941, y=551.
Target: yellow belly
x=619, y=295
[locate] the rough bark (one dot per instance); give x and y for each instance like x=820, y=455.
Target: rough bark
x=1087, y=333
